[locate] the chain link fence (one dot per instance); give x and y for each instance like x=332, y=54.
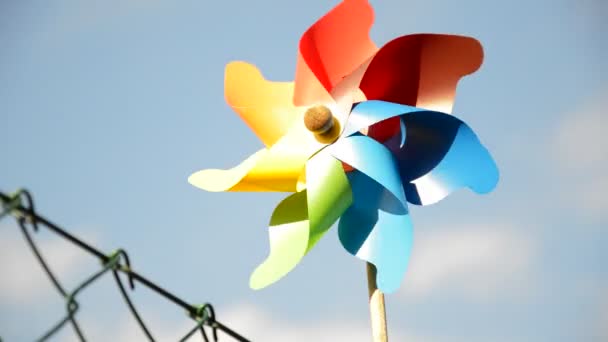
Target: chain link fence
x=20, y=206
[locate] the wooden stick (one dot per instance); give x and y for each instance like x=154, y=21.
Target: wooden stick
x=376, y=306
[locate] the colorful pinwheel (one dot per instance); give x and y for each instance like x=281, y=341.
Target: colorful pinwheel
x=360, y=133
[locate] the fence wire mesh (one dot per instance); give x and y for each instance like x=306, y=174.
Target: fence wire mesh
x=20, y=205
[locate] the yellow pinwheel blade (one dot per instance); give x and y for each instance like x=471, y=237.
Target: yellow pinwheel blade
x=266, y=170
x=278, y=168
x=267, y=107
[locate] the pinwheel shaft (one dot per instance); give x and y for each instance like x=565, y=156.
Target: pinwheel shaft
x=376, y=306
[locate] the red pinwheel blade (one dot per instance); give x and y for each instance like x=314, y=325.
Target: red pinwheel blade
x=331, y=49
x=421, y=70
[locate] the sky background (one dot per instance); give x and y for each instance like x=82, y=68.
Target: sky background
x=106, y=107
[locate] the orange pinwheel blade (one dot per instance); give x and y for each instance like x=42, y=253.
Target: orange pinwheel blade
x=331, y=49
x=267, y=107
x=421, y=70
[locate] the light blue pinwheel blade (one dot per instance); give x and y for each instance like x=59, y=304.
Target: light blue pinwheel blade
x=373, y=159
x=377, y=226
x=370, y=231
x=441, y=155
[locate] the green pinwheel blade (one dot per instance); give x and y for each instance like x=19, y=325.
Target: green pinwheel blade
x=329, y=194
x=288, y=234
x=301, y=219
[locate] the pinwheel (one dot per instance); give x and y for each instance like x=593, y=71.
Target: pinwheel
x=360, y=133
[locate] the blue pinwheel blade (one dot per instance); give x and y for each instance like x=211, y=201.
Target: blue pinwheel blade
x=436, y=154
x=433, y=155
x=441, y=155
x=371, y=230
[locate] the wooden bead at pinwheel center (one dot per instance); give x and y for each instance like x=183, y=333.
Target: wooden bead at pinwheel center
x=318, y=119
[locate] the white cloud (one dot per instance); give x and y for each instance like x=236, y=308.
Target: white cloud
x=579, y=146
x=23, y=279
x=257, y=325
x=580, y=138
x=591, y=198
x=476, y=261
x=159, y=330
x=602, y=327
x=263, y=327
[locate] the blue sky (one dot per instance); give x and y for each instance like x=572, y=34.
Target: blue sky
x=108, y=106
